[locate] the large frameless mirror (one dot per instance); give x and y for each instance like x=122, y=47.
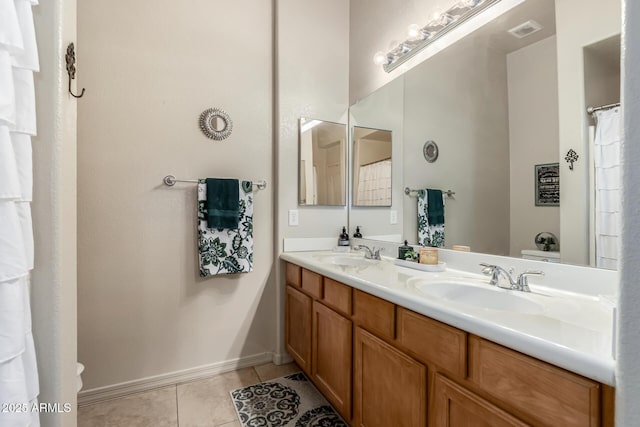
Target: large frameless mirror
x=322, y=163
x=518, y=150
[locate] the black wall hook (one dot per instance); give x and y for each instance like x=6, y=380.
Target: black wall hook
x=70, y=57
x=571, y=158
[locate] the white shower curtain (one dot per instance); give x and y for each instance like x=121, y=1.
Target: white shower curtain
x=607, y=181
x=374, y=184
x=18, y=62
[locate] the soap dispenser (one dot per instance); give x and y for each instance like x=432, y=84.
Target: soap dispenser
x=404, y=250
x=357, y=234
x=343, y=240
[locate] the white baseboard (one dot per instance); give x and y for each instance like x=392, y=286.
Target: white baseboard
x=157, y=381
x=281, y=358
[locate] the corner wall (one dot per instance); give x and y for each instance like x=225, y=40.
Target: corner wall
x=596, y=22
x=628, y=371
x=53, y=284
x=311, y=80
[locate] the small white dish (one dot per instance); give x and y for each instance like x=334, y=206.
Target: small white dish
x=442, y=266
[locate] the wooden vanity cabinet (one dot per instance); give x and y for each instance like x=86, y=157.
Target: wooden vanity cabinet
x=382, y=365
x=331, y=343
x=549, y=395
x=455, y=406
x=298, y=327
x=390, y=388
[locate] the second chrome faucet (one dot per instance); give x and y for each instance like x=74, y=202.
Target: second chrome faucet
x=520, y=284
x=370, y=253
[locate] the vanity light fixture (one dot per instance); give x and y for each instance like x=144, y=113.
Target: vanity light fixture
x=421, y=37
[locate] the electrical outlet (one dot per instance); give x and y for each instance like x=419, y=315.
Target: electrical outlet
x=293, y=217
x=393, y=217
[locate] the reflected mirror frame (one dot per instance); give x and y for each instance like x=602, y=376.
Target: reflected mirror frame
x=345, y=168
x=353, y=168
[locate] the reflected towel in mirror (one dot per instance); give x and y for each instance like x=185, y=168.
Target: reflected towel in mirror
x=430, y=226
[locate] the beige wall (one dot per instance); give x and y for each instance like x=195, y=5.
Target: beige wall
x=150, y=69
x=443, y=102
x=54, y=281
x=597, y=21
x=533, y=138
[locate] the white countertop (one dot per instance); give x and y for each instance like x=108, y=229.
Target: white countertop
x=573, y=332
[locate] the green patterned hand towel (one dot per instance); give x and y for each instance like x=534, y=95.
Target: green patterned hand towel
x=222, y=203
x=226, y=250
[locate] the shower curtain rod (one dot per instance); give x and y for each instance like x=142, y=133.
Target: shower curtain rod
x=592, y=110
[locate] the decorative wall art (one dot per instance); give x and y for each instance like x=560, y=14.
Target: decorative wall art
x=547, y=184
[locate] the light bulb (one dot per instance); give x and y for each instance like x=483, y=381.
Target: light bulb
x=379, y=58
x=413, y=31
x=436, y=15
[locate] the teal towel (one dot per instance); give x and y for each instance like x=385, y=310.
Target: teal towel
x=223, y=203
x=435, y=210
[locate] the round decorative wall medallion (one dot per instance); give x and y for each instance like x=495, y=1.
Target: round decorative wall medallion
x=216, y=124
x=430, y=151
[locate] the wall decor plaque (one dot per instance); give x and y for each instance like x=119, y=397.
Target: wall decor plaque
x=547, y=184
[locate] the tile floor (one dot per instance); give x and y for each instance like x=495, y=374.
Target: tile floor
x=202, y=403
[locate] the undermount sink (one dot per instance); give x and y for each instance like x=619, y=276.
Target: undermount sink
x=346, y=260
x=350, y=261
x=489, y=298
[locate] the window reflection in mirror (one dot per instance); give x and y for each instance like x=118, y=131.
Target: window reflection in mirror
x=322, y=163
x=371, y=167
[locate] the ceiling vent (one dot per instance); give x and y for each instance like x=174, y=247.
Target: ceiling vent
x=526, y=29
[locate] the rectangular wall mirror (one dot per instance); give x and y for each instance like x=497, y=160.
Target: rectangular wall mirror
x=372, y=166
x=499, y=103
x=322, y=163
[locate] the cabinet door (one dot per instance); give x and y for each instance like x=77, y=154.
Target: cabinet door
x=331, y=345
x=455, y=406
x=549, y=395
x=390, y=388
x=298, y=327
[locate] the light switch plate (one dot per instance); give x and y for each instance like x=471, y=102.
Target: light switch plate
x=293, y=217
x=393, y=217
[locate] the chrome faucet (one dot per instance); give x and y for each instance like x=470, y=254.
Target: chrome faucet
x=370, y=253
x=520, y=284
x=523, y=279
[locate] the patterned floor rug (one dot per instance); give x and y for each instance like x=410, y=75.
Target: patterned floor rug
x=290, y=401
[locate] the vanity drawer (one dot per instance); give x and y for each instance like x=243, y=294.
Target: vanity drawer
x=374, y=314
x=337, y=296
x=433, y=342
x=292, y=274
x=547, y=394
x=312, y=283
